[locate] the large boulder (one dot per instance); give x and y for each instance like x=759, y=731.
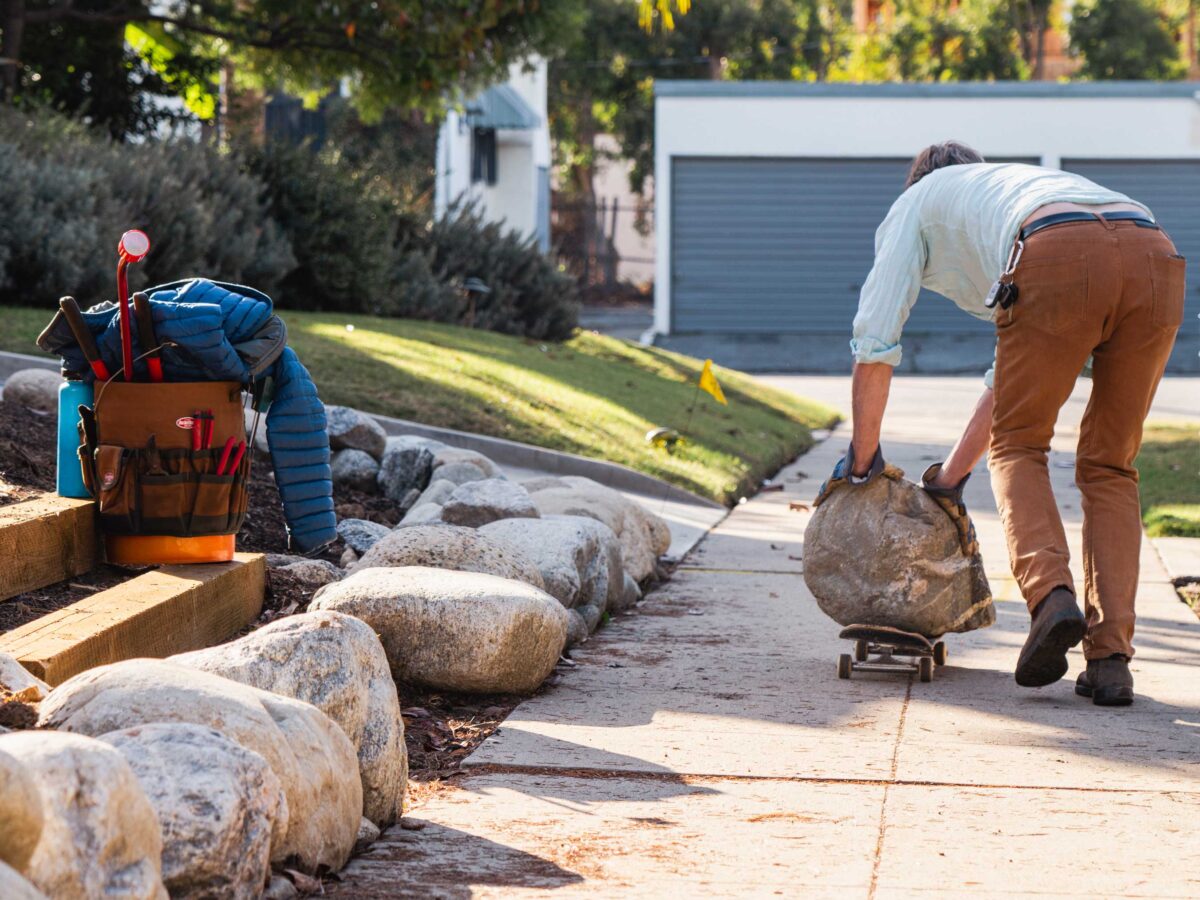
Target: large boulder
x=217, y=804
x=361, y=534
x=309, y=753
x=350, y=429
x=451, y=547
x=438, y=492
x=421, y=514
x=15, y=679
x=479, y=502
x=14, y=887
x=100, y=836
x=458, y=631
x=355, y=469
x=406, y=465
x=337, y=664
x=34, y=388
x=580, y=562
x=461, y=472
x=21, y=814
x=885, y=553
x=644, y=536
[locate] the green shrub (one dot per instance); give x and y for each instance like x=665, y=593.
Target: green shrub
x=342, y=236
x=70, y=193
x=528, y=295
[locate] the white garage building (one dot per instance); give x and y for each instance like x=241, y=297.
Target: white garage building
x=768, y=195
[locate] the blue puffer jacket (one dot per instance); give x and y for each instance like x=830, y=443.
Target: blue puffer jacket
x=224, y=332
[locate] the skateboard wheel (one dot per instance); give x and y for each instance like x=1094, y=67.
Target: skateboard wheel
x=939, y=653
x=845, y=665
x=925, y=668
x=860, y=651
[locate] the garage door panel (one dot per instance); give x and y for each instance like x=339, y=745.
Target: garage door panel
x=769, y=245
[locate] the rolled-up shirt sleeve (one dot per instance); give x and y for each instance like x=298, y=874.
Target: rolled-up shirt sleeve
x=891, y=289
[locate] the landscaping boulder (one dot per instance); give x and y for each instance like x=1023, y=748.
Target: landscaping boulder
x=644, y=536
x=33, y=388
x=17, y=680
x=445, y=456
x=438, y=492
x=217, y=804
x=336, y=663
x=21, y=816
x=311, y=572
x=461, y=473
x=355, y=469
x=360, y=534
x=14, y=887
x=350, y=429
x=479, y=502
x=406, y=465
x=579, y=560
x=885, y=553
x=455, y=547
x=421, y=514
x=100, y=836
x=309, y=753
x=456, y=631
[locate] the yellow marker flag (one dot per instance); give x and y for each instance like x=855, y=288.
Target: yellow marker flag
x=710, y=385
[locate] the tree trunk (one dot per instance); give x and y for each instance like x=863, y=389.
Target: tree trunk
x=1043, y=24
x=1193, y=60
x=12, y=21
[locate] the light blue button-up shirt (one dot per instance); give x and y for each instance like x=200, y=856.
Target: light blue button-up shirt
x=951, y=232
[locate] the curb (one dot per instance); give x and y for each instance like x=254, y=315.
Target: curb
x=505, y=452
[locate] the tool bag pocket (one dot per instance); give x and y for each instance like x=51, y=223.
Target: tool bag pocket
x=116, y=489
x=166, y=504
x=210, y=514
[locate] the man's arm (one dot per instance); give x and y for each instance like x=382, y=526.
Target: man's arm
x=870, y=387
x=970, y=447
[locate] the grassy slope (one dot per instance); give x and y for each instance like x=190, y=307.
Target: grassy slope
x=1169, y=465
x=592, y=395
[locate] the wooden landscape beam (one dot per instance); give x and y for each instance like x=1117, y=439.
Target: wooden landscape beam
x=170, y=610
x=45, y=540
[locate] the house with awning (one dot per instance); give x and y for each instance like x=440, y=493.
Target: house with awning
x=494, y=151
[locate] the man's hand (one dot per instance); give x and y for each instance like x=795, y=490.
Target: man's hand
x=950, y=498
x=847, y=471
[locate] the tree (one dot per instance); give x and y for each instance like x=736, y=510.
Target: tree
x=405, y=53
x=1123, y=39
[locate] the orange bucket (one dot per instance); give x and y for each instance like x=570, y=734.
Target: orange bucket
x=162, y=550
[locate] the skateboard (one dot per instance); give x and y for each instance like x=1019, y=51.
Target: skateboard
x=878, y=648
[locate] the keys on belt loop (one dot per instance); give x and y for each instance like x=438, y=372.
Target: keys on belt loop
x=1014, y=257
x=1004, y=292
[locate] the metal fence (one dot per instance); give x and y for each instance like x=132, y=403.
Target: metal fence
x=606, y=243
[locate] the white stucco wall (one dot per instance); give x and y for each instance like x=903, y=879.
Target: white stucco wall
x=519, y=154
x=790, y=125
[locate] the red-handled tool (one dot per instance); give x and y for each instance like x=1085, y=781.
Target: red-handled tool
x=132, y=247
x=83, y=337
x=225, y=455
x=197, y=429
x=146, y=338
x=237, y=459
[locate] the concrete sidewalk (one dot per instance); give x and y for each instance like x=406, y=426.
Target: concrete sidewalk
x=704, y=746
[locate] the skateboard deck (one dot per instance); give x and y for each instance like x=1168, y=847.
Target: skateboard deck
x=879, y=648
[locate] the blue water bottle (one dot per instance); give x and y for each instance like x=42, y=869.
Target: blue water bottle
x=72, y=394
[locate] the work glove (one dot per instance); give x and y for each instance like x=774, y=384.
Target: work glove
x=842, y=474
x=951, y=500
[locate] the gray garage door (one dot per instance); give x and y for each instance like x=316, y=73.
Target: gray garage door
x=783, y=245
x=1171, y=188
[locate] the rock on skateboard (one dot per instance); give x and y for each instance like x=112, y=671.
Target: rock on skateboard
x=878, y=648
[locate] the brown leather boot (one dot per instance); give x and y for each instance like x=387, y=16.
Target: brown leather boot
x=1107, y=681
x=1057, y=626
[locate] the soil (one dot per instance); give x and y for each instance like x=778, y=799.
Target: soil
x=28, y=450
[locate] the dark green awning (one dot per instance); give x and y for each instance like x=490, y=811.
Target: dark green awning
x=500, y=106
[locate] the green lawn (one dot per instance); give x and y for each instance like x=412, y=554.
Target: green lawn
x=1170, y=480
x=592, y=395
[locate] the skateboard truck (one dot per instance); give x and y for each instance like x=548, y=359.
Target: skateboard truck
x=878, y=648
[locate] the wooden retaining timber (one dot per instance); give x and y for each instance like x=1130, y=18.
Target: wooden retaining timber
x=45, y=540
x=171, y=610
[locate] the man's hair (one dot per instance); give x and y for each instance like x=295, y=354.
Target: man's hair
x=938, y=156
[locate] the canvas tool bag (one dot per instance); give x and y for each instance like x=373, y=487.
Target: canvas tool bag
x=138, y=462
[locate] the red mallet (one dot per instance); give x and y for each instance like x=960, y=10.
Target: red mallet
x=133, y=246
x=237, y=459
x=197, y=429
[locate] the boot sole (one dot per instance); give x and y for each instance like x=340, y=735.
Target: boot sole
x=1119, y=697
x=1046, y=662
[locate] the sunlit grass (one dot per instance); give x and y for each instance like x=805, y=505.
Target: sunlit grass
x=1169, y=466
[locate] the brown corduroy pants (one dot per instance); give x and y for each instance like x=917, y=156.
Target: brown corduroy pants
x=1114, y=291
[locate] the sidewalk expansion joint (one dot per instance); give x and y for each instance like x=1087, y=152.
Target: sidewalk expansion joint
x=882, y=831
x=698, y=778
